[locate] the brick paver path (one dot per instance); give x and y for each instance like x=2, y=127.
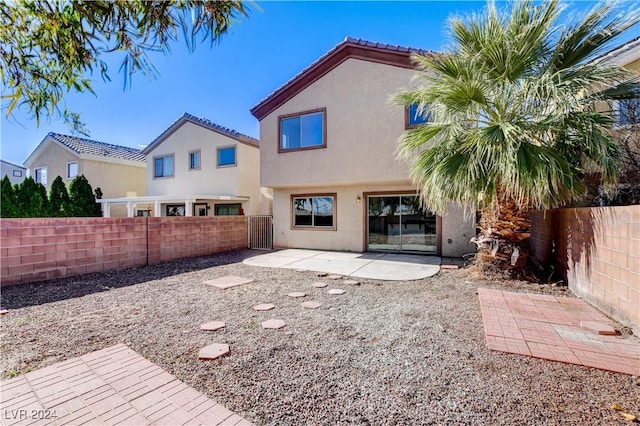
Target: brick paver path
x=548, y=327
x=111, y=386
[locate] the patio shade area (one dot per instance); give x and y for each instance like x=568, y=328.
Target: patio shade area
x=378, y=266
x=115, y=385
x=563, y=329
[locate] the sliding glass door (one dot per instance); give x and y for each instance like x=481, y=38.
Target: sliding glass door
x=398, y=223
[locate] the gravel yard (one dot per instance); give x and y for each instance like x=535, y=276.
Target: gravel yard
x=382, y=353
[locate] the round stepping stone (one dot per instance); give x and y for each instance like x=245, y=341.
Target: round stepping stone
x=334, y=277
x=4, y=311
x=319, y=285
x=212, y=326
x=311, y=304
x=352, y=282
x=336, y=291
x=264, y=307
x=274, y=324
x=213, y=351
x=297, y=294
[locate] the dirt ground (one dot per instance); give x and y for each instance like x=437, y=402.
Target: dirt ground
x=397, y=353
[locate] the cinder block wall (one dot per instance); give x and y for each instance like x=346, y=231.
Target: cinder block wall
x=176, y=237
x=40, y=249
x=597, y=250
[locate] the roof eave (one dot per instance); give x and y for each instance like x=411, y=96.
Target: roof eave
x=342, y=52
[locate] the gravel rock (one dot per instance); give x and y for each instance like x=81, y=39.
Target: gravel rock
x=376, y=355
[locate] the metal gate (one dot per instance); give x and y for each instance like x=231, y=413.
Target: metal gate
x=260, y=232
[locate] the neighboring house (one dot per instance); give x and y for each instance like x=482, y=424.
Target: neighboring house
x=117, y=170
x=328, y=150
x=198, y=168
x=626, y=55
x=15, y=173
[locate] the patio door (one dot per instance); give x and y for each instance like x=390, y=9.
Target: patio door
x=397, y=223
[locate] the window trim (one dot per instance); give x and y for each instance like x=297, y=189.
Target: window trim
x=35, y=174
x=77, y=169
x=299, y=114
x=199, y=160
x=154, y=166
x=407, y=118
x=235, y=156
x=218, y=205
x=17, y=171
x=312, y=227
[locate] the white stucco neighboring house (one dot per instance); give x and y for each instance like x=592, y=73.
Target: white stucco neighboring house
x=328, y=150
x=198, y=168
x=14, y=172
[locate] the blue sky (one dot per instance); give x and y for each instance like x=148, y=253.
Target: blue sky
x=223, y=82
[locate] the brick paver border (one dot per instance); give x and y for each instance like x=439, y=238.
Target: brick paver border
x=548, y=327
x=115, y=385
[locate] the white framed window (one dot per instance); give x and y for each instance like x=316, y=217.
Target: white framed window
x=72, y=169
x=194, y=160
x=314, y=211
x=41, y=175
x=226, y=156
x=163, y=166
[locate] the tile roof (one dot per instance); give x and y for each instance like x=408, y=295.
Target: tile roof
x=350, y=47
x=102, y=149
x=205, y=123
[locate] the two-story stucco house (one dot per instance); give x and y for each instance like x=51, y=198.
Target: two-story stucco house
x=14, y=172
x=198, y=168
x=327, y=149
x=117, y=170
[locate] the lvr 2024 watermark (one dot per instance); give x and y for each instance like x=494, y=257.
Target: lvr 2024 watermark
x=22, y=414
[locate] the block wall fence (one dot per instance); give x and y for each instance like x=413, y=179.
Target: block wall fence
x=597, y=250
x=41, y=249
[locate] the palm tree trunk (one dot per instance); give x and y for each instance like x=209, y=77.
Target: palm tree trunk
x=503, y=240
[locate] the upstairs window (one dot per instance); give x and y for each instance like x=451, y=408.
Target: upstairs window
x=227, y=156
x=41, y=175
x=17, y=173
x=194, y=160
x=413, y=117
x=72, y=170
x=629, y=111
x=302, y=131
x=314, y=212
x=163, y=166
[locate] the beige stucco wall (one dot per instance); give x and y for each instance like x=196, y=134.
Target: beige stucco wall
x=115, y=179
x=351, y=222
x=249, y=177
x=55, y=158
x=362, y=129
x=633, y=66
x=210, y=179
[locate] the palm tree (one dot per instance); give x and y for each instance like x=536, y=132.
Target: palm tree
x=513, y=118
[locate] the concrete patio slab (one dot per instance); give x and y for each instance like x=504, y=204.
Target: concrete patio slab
x=379, y=266
x=115, y=385
x=543, y=326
